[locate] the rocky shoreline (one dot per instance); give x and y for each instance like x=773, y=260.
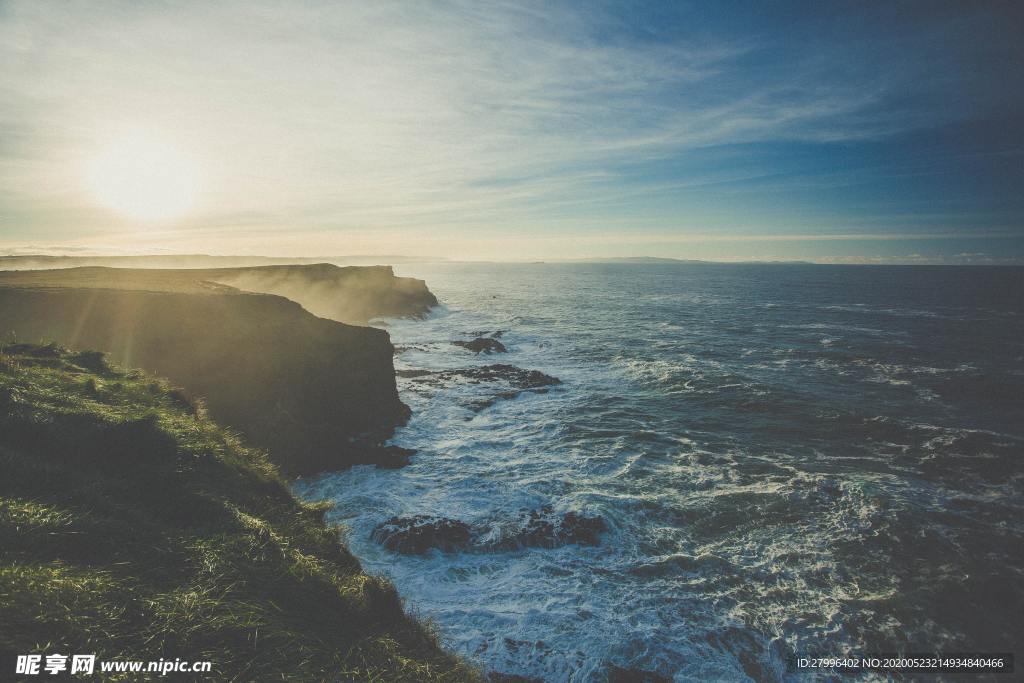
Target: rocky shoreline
x=316, y=393
x=541, y=527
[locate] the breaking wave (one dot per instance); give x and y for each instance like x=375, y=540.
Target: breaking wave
x=761, y=468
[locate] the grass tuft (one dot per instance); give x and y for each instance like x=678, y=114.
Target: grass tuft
x=133, y=527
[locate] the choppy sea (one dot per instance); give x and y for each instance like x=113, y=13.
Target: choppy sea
x=786, y=459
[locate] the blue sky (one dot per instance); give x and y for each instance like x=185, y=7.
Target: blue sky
x=847, y=131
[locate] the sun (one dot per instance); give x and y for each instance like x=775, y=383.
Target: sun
x=144, y=177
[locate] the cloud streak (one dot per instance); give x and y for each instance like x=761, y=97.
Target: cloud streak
x=418, y=116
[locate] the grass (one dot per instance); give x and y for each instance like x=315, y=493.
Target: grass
x=134, y=527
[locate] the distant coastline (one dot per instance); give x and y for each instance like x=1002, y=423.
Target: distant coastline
x=18, y=259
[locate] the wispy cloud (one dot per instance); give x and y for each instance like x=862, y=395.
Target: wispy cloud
x=397, y=116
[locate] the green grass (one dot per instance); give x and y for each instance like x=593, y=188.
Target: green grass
x=133, y=527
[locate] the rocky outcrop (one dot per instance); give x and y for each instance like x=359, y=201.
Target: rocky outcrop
x=518, y=378
x=499, y=381
x=482, y=345
x=420, y=533
x=318, y=394
x=510, y=375
x=542, y=528
x=386, y=457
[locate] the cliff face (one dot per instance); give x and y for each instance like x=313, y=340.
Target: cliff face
x=367, y=292
x=317, y=393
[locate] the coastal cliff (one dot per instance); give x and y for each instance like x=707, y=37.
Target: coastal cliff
x=316, y=393
x=134, y=527
x=351, y=294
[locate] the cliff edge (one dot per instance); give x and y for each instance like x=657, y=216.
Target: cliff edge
x=351, y=294
x=316, y=393
x=132, y=527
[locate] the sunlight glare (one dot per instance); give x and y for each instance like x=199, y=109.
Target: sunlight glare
x=144, y=177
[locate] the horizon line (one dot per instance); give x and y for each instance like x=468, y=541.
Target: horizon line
x=968, y=260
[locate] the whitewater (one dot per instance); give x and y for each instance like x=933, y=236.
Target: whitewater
x=785, y=459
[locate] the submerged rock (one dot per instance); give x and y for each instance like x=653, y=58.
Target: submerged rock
x=482, y=345
x=544, y=529
x=478, y=404
x=515, y=380
x=517, y=377
x=617, y=674
x=420, y=533
x=541, y=528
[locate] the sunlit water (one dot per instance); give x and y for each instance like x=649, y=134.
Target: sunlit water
x=789, y=458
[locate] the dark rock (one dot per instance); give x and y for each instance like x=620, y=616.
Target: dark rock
x=476, y=405
x=544, y=529
x=541, y=528
x=616, y=674
x=402, y=348
x=420, y=533
x=388, y=457
x=482, y=345
x=577, y=528
x=517, y=377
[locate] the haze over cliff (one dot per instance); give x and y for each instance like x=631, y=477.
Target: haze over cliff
x=353, y=294
x=318, y=393
x=21, y=259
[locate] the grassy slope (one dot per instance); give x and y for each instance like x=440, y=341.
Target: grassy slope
x=133, y=527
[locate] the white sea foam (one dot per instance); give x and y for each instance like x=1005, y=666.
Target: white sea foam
x=758, y=484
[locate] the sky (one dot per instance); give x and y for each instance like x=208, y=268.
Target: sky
x=879, y=132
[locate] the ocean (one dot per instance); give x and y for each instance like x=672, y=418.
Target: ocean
x=784, y=458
